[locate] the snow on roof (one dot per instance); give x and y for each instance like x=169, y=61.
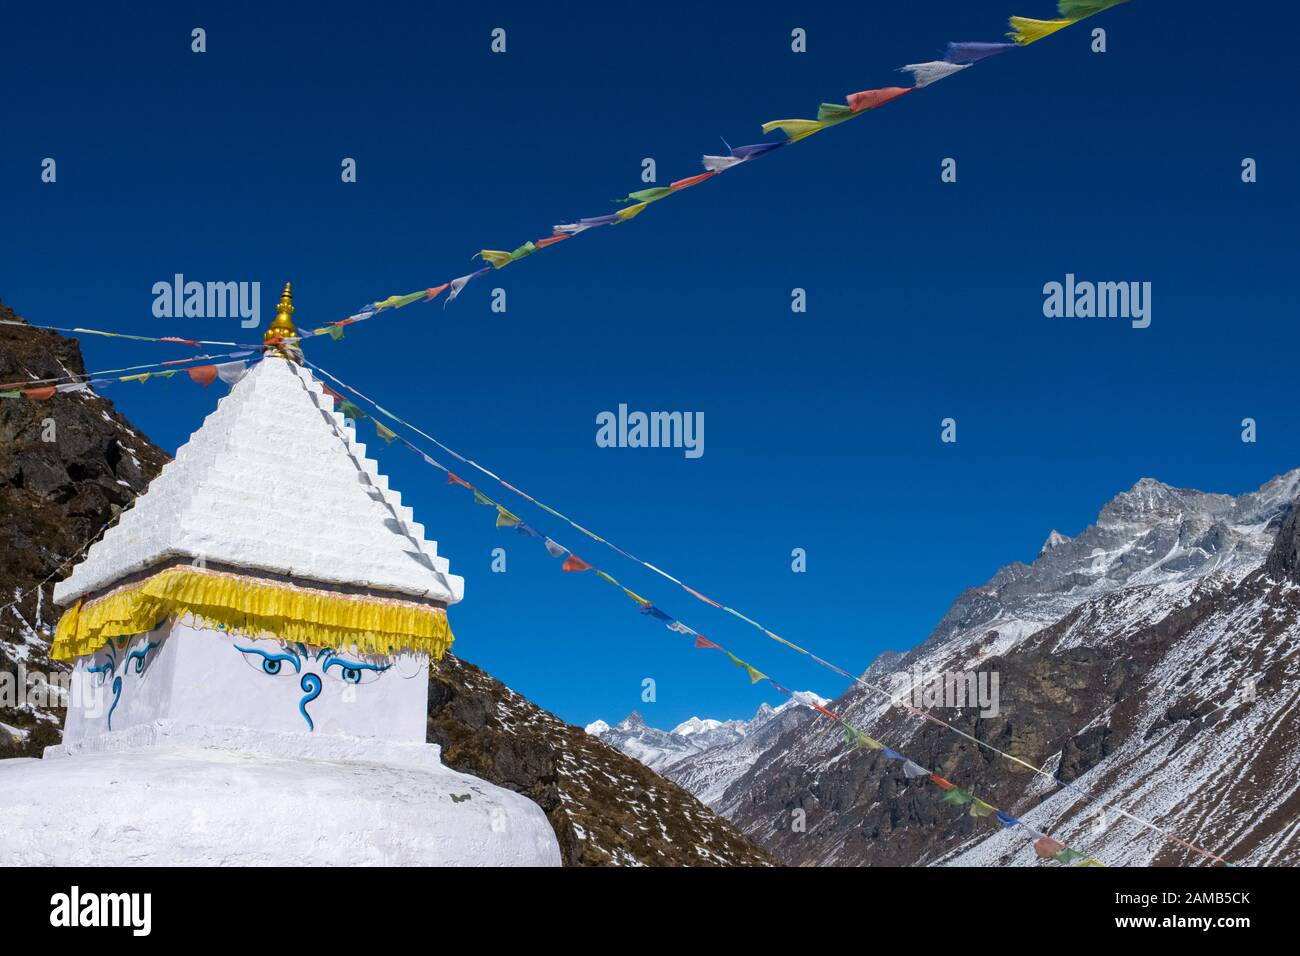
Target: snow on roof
x=272, y=482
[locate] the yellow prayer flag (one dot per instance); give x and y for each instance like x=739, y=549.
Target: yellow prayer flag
x=1025, y=30
x=796, y=129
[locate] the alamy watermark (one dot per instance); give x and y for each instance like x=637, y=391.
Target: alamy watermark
x=35, y=690
x=626, y=429
x=1073, y=299
x=208, y=300
x=925, y=689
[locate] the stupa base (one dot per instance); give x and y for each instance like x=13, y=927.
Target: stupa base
x=163, y=794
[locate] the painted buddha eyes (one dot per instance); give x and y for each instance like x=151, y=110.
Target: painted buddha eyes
x=332, y=665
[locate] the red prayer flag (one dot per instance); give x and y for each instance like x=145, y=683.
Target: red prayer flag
x=828, y=713
x=941, y=782
x=551, y=240
x=870, y=99
x=454, y=480
x=702, y=641
x=40, y=394
x=435, y=292
x=691, y=180
x=172, y=338
x=575, y=563
x=1046, y=848
x=205, y=375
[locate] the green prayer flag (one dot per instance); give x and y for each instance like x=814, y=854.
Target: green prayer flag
x=11, y=394
x=834, y=112
x=527, y=249
x=602, y=574
x=957, y=797
x=1068, y=856
x=648, y=195
x=385, y=433
x=167, y=374
x=335, y=332
x=482, y=499
x=351, y=411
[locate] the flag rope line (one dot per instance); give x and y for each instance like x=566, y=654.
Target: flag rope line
x=89, y=378
x=959, y=56
x=123, y=335
x=1045, y=846
x=388, y=435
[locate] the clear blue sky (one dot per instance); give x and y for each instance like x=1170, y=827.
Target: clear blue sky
x=822, y=429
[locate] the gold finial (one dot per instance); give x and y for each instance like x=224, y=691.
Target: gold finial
x=282, y=328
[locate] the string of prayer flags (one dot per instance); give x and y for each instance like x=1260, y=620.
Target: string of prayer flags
x=1025, y=31
x=574, y=563
x=974, y=52
x=505, y=519
x=1046, y=848
x=923, y=74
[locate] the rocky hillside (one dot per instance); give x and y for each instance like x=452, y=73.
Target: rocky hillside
x=1152, y=661
x=67, y=465
x=56, y=495
x=606, y=808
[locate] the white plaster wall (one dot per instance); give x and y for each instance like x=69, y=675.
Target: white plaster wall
x=196, y=675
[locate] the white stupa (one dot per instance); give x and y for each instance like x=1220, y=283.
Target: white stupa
x=251, y=644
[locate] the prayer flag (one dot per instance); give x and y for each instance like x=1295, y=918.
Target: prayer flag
x=555, y=550
x=891, y=754
x=40, y=394
x=795, y=129
x=941, y=782
x=635, y=597
x=754, y=674
x=456, y=480
x=205, y=375
x=834, y=113
x=482, y=499
x=914, y=771
x=647, y=195
x=1078, y=9
x=431, y=294
x=978, y=808
x=528, y=530
x=870, y=99
x=231, y=372
x=655, y=613
x=631, y=211
x=923, y=74
x=385, y=433
x=1068, y=856
x=527, y=249
x=1025, y=31
x=575, y=563
x=974, y=52
x=496, y=257
x=349, y=410
x=1006, y=819
x=679, y=627
x=550, y=240
x=1046, y=848
x=397, y=301
x=505, y=519
x=704, y=642
x=690, y=181
x=957, y=797
x=141, y=378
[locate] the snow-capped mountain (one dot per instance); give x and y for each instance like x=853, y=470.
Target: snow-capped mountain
x=1127, y=656
x=705, y=756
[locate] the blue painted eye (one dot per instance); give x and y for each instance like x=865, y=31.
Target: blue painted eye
x=270, y=664
x=354, y=672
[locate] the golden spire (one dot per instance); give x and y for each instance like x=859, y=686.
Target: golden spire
x=282, y=331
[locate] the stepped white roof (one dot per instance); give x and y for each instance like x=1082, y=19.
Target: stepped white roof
x=274, y=483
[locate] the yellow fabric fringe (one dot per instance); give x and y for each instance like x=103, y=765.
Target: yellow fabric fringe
x=1025, y=31
x=245, y=605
